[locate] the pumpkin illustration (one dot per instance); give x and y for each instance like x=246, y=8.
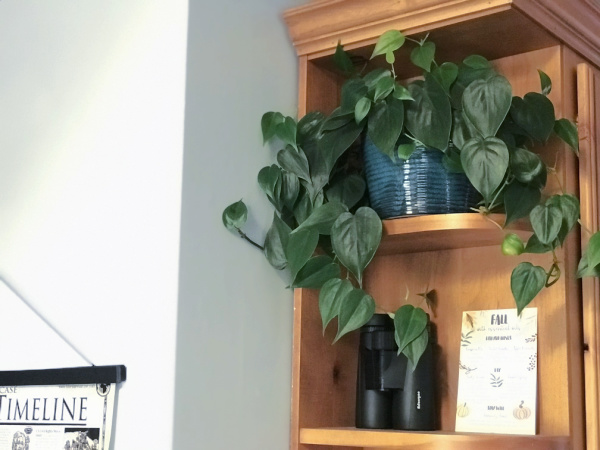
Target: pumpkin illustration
x=462, y=410
x=522, y=412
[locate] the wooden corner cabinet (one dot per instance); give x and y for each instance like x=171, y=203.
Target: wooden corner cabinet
x=459, y=254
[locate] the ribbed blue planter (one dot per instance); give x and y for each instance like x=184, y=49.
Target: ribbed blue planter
x=419, y=185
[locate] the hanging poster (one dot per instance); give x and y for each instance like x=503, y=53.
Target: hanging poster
x=68, y=416
x=497, y=380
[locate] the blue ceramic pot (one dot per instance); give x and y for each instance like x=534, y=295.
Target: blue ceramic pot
x=419, y=185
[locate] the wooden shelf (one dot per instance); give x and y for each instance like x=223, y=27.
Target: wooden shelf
x=445, y=231
x=352, y=437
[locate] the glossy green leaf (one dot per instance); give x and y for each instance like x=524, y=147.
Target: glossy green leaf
x=309, y=126
x=415, y=349
x=545, y=82
x=335, y=142
x=593, y=250
x=372, y=78
x=235, y=215
x=356, y=310
x=485, y=162
x=535, y=114
x=519, y=200
x=462, y=129
x=331, y=296
x=476, y=62
x=535, y=246
x=303, y=207
x=567, y=131
x=269, y=180
x=342, y=60
x=569, y=206
x=352, y=91
x=286, y=131
x=409, y=323
x=401, y=93
x=385, y=123
x=486, y=103
x=300, y=247
x=323, y=217
x=423, y=55
x=317, y=270
x=466, y=75
x=445, y=74
x=268, y=123
x=383, y=88
x=337, y=119
x=526, y=166
x=526, y=282
x=348, y=190
x=295, y=162
x=290, y=189
x=275, y=243
x=362, y=108
x=512, y=245
x=389, y=41
x=584, y=269
x=404, y=151
x=546, y=221
x=451, y=161
x=355, y=239
x=429, y=116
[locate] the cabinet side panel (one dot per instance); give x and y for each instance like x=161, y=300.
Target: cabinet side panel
x=324, y=375
x=589, y=127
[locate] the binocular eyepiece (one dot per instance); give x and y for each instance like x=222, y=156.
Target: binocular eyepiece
x=389, y=394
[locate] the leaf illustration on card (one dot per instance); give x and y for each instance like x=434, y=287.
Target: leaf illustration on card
x=465, y=339
x=470, y=321
x=533, y=338
x=496, y=381
x=467, y=369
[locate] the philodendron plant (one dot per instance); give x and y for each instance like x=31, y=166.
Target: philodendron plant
x=321, y=233
x=471, y=106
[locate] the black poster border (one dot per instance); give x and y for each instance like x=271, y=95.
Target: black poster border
x=69, y=375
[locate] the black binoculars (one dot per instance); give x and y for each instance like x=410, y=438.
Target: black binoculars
x=389, y=394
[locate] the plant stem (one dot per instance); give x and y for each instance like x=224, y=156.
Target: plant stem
x=245, y=236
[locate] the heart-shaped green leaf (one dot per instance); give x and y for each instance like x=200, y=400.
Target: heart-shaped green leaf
x=269, y=180
x=355, y=239
x=445, y=75
x=401, y=93
x=476, y=62
x=462, y=130
x=323, y=217
x=275, y=243
x=535, y=246
x=546, y=221
x=385, y=124
x=593, y=250
x=268, y=123
x=429, y=116
x=535, y=114
x=486, y=103
x=423, y=55
x=383, y=88
x=569, y=206
x=526, y=282
x=545, y=82
x=331, y=296
x=584, y=269
x=290, y=189
x=389, y=41
x=303, y=207
x=362, y=109
x=316, y=272
x=404, y=151
x=342, y=60
x=348, y=190
x=485, y=162
x=334, y=143
x=286, y=131
x=235, y=215
x=526, y=166
x=519, y=200
x=372, y=78
x=415, y=349
x=295, y=162
x=355, y=310
x=567, y=131
x=300, y=247
x=409, y=323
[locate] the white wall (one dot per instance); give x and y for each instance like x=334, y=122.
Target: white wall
x=235, y=316
x=91, y=143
